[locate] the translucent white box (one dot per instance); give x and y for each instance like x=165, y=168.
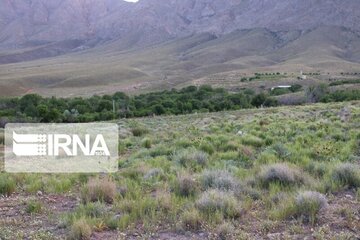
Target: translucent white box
x=61, y=148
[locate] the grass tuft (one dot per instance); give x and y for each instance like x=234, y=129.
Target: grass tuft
x=225, y=231
x=305, y=206
x=346, y=175
x=139, y=131
x=186, y=186
x=7, y=185
x=191, y=220
x=80, y=230
x=213, y=201
x=103, y=190
x=34, y=207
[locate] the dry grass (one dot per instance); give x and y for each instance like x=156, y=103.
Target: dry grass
x=80, y=230
x=99, y=190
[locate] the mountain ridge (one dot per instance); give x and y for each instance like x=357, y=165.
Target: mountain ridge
x=86, y=47
x=37, y=21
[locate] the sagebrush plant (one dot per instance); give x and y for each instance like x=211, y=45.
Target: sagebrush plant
x=218, y=179
x=306, y=206
x=99, y=189
x=346, y=175
x=190, y=158
x=282, y=174
x=214, y=200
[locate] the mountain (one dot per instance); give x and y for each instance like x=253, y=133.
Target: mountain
x=39, y=21
x=66, y=46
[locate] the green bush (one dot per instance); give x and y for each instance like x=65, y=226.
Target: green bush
x=139, y=131
x=80, y=230
x=7, y=184
x=34, y=207
x=346, y=175
x=146, y=143
x=306, y=206
x=191, y=220
x=213, y=201
x=252, y=141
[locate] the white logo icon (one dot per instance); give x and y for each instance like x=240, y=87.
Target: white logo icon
x=53, y=144
x=29, y=144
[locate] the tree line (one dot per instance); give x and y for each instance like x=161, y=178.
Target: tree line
x=34, y=108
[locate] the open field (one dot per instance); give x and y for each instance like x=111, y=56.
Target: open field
x=276, y=173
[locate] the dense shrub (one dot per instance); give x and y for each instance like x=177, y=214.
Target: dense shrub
x=280, y=173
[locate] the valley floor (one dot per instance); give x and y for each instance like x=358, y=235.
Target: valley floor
x=275, y=173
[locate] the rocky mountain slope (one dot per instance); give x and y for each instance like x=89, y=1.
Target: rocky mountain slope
x=82, y=47
x=39, y=21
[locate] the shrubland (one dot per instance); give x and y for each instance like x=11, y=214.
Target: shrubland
x=245, y=174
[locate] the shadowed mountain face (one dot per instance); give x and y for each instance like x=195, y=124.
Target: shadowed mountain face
x=63, y=46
